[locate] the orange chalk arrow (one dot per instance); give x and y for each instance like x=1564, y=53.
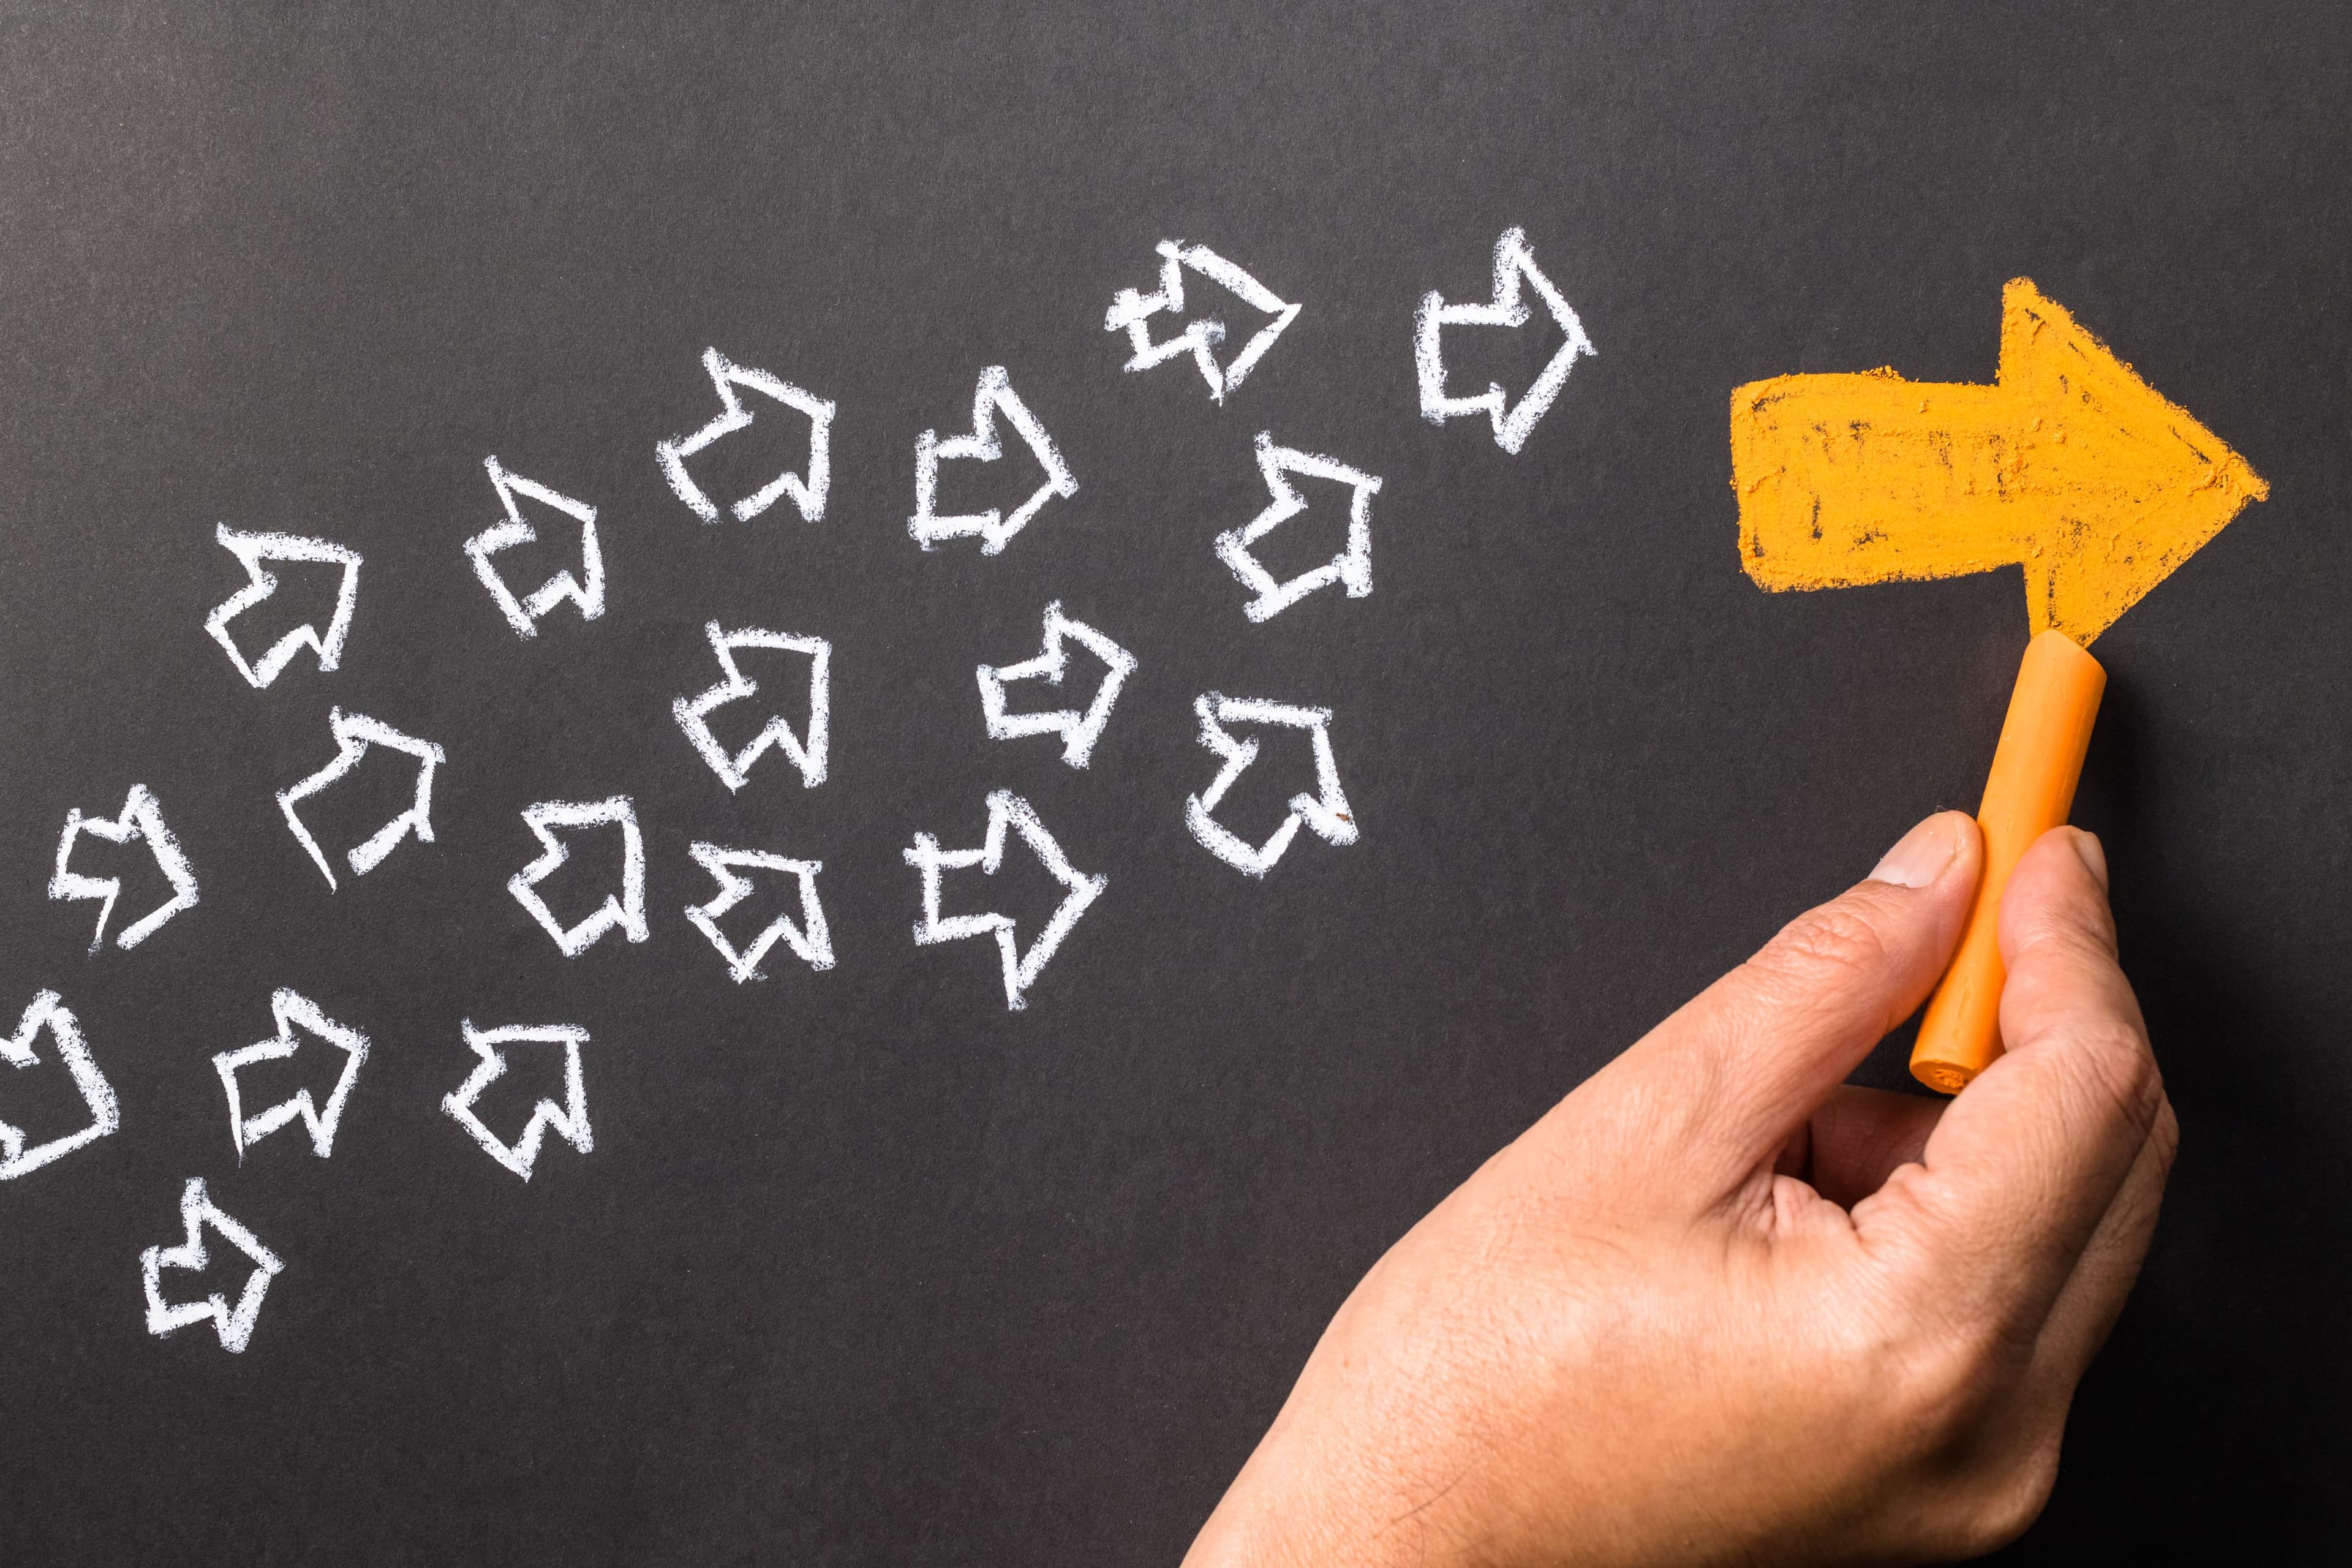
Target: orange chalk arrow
x=2069, y=465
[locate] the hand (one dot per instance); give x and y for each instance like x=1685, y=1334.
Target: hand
x=1716, y=1308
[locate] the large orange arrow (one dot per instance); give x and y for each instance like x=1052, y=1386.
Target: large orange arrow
x=2069, y=465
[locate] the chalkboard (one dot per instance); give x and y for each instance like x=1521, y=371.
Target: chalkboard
x=852, y=1262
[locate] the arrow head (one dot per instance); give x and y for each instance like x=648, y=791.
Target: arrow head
x=2140, y=486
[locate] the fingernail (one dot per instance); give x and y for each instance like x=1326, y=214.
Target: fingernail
x=2095, y=855
x=1921, y=855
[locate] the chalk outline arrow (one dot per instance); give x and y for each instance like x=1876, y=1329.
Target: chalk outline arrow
x=1327, y=813
x=809, y=755
x=1351, y=567
x=1131, y=310
x=142, y=821
x=726, y=375
x=233, y=1325
x=354, y=733
x=290, y=1007
x=993, y=395
x=569, y=1122
x=2069, y=465
x=251, y=550
x=627, y=911
x=50, y=1012
x=524, y=614
x=1021, y=970
x=1514, y=262
x=810, y=940
x=1079, y=731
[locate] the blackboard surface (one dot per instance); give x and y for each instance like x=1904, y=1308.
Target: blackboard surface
x=865, y=1268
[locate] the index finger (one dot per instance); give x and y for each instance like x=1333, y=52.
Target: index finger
x=2025, y=1161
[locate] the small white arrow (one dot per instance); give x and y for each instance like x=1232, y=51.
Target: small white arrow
x=1021, y=970
x=234, y=1324
x=1515, y=264
x=48, y=1012
x=354, y=733
x=809, y=940
x=806, y=750
x=1079, y=730
x=1326, y=812
x=568, y=1121
x=807, y=495
x=524, y=614
x=627, y=912
x=993, y=395
x=1353, y=566
x=291, y=1008
x=251, y=550
x=141, y=822
x=1130, y=312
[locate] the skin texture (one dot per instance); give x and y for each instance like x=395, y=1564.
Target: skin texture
x=1717, y=1307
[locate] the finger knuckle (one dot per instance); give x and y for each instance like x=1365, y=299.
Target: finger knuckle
x=2118, y=1068
x=1992, y=1501
x=1836, y=942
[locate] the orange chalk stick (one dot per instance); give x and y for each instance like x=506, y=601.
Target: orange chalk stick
x=2028, y=792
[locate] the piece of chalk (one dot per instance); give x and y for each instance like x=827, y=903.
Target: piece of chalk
x=2028, y=792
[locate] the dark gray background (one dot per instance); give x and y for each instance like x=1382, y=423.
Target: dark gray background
x=863, y=1270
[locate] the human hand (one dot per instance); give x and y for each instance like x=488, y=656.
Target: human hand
x=1715, y=1306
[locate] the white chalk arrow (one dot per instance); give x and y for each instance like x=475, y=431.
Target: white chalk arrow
x=994, y=395
x=806, y=750
x=141, y=822
x=1079, y=729
x=809, y=940
x=251, y=550
x=234, y=1324
x=1131, y=311
x=48, y=1012
x=1325, y=812
x=568, y=1121
x=354, y=733
x=1005, y=809
x=626, y=912
x=524, y=613
x=1352, y=567
x=1514, y=271
x=726, y=375
x=290, y=1009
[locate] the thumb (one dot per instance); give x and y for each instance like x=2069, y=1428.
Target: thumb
x=1741, y=1066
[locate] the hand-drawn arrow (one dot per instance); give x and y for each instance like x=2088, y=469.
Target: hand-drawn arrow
x=1325, y=812
x=568, y=1121
x=626, y=912
x=586, y=591
x=810, y=940
x=234, y=1324
x=993, y=395
x=251, y=550
x=290, y=1008
x=1131, y=311
x=50, y=1012
x=1351, y=567
x=807, y=495
x=2069, y=465
x=354, y=733
x=806, y=750
x=1515, y=270
x=141, y=822
x=1079, y=730
x=1005, y=810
